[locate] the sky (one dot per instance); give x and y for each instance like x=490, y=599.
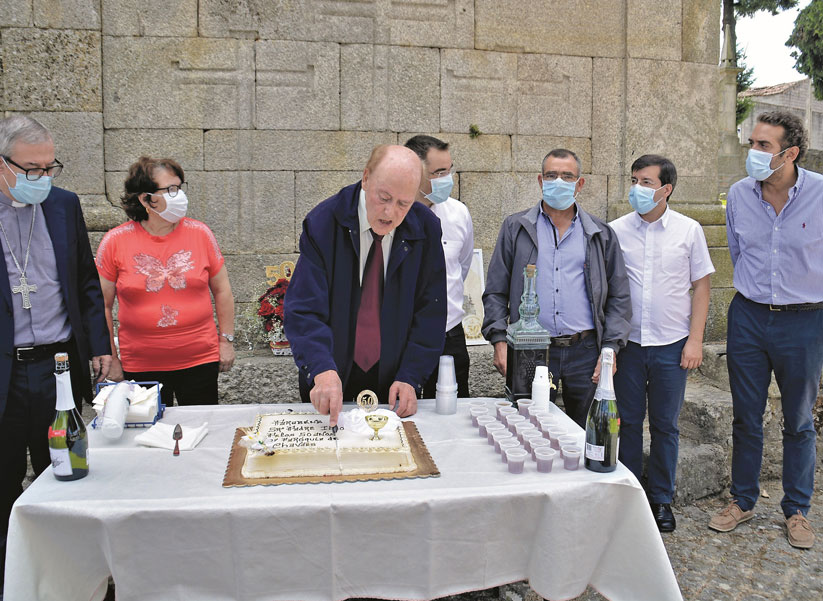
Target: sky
x=763, y=40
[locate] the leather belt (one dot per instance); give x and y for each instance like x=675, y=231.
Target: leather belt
x=456, y=332
x=797, y=307
x=41, y=352
x=563, y=341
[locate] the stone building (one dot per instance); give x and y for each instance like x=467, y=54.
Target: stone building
x=796, y=97
x=272, y=106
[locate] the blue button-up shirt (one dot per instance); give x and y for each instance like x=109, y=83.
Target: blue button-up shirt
x=561, y=282
x=778, y=259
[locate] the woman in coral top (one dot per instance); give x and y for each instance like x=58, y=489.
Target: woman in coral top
x=163, y=267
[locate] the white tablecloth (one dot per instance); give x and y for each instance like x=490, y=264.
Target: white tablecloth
x=166, y=529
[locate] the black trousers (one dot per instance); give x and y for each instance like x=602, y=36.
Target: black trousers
x=456, y=347
x=24, y=426
x=191, y=386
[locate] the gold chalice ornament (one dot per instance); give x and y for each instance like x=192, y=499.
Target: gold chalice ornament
x=376, y=421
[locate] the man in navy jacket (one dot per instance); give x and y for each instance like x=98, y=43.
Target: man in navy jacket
x=50, y=301
x=323, y=298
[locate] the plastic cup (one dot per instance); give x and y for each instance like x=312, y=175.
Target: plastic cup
x=568, y=439
x=499, y=404
x=535, y=413
x=521, y=427
x=482, y=422
x=513, y=420
x=445, y=372
x=568, y=447
x=508, y=443
x=504, y=412
x=516, y=459
x=523, y=406
x=477, y=403
x=544, y=456
x=529, y=436
x=498, y=435
x=491, y=429
x=536, y=443
x=476, y=412
x=571, y=459
x=546, y=422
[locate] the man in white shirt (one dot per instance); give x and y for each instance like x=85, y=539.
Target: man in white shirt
x=458, y=246
x=666, y=256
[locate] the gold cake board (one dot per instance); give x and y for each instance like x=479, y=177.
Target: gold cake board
x=425, y=466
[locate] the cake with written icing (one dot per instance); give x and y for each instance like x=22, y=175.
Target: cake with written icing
x=283, y=445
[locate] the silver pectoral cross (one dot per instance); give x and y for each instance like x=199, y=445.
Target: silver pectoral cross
x=24, y=288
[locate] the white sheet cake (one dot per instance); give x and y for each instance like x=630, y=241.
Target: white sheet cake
x=304, y=445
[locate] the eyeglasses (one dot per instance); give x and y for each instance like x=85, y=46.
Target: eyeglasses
x=566, y=176
x=36, y=173
x=442, y=173
x=172, y=190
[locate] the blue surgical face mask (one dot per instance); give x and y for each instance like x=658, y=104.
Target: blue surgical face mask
x=558, y=194
x=759, y=163
x=441, y=188
x=29, y=192
x=642, y=198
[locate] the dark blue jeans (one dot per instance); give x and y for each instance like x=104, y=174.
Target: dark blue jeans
x=653, y=373
x=572, y=368
x=790, y=343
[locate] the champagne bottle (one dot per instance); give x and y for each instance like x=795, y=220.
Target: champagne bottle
x=603, y=421
x=68, y=442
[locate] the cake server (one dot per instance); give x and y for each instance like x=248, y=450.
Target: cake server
x=176, y=436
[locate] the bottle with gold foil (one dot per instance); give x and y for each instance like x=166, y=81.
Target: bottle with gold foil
x=68, y=439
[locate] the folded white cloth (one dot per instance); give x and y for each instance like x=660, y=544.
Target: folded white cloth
x=160, y=435
x=355, y=420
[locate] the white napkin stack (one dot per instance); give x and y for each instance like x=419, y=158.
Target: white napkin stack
x=142, y=402
x=160, y=436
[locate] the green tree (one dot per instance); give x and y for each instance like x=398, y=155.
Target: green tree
x=745, y=79
x=807, y=37
x=746, y=8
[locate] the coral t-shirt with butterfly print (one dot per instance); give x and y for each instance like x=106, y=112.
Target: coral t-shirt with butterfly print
x=162, y=287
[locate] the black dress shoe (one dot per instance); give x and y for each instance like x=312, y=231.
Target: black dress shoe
x=663, y=517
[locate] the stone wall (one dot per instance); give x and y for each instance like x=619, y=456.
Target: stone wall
x=272, y=106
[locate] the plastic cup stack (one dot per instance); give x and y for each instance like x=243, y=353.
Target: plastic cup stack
x=445, y=397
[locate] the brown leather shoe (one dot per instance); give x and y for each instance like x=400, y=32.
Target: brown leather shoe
x=729, y=517
x=799, y=531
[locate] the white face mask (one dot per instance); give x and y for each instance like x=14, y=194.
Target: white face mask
x=176, y=207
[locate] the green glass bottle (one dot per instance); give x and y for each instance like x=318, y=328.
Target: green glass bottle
x=68, y=439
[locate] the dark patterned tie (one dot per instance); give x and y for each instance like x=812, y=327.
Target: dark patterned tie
x=367, y=335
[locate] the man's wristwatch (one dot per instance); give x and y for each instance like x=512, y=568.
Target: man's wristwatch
x=229, y=337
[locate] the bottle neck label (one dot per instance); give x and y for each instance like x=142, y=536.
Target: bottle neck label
x=65, y=398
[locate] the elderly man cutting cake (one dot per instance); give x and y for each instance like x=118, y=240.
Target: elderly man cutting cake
x=366, y=306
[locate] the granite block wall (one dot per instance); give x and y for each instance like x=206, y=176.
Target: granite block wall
x=272, y=106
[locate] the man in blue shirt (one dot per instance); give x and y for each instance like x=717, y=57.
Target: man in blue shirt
x=582, y=285
x=774, y=222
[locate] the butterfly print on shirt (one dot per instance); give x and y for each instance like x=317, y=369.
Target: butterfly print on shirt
x=169, y=317
x=156, y=273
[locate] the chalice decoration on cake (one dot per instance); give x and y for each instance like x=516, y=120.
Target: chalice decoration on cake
x=367, y=401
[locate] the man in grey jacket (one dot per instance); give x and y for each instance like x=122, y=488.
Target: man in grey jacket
x=582, y=286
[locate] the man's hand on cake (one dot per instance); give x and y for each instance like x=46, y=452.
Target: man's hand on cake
x=403, y=396
x=327, y=395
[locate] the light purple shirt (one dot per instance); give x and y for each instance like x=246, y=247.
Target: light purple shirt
x=778, y=259
x=47, y=321
x=561, y=282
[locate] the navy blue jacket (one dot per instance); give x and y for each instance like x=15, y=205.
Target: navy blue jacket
x=81, y=293
x=324, y=295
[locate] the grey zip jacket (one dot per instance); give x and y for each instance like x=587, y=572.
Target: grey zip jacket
x=607, y=283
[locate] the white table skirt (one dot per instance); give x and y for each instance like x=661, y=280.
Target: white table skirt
x=166, y=529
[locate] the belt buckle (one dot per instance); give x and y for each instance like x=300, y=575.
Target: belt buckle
x=562, y=341
x=775, y=308
x=22, y=348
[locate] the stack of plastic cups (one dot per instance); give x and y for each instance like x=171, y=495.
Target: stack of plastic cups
x=445, y=399
x=541, y=390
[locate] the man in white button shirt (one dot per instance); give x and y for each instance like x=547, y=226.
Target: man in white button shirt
x=458, y=245
x=666, y=256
